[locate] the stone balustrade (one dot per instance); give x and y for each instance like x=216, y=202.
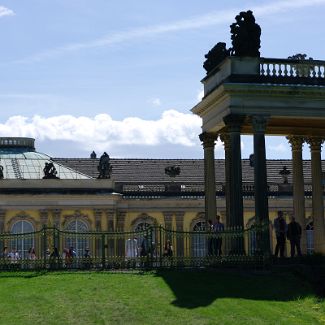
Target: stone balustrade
x=292, y=68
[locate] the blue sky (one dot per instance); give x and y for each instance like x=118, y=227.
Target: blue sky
x=122, y=76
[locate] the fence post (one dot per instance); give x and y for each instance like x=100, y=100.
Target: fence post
x=160, y=246
x=103, y=251
x=44, y=233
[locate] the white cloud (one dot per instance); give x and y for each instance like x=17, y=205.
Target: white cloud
x=101, y=130
x=155, y=102
x=280, y=148
x=212, y=19
x=5, y=11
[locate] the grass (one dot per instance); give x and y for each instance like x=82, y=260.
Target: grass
x=166, y=297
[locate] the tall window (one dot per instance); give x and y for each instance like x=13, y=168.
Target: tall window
x=77, y=241
x=199, y=244
x=22, y=243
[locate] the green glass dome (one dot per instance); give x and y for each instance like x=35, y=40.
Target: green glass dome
x=19, y=160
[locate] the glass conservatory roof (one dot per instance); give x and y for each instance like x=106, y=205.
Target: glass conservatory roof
x=19, y=160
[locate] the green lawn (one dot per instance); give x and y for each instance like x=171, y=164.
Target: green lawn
x=169, y=297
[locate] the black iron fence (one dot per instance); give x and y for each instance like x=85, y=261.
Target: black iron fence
x=154, y=247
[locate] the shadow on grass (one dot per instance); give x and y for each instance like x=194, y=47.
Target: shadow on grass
x=23, y=274
x=199, y=289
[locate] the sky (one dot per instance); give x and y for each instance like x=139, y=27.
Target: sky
x=122, y=76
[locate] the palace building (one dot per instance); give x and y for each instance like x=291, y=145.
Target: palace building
x=243, y=94
x=139, y=192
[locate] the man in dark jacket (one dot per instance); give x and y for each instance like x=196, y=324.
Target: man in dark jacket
x=280, y=227
x=294, y=235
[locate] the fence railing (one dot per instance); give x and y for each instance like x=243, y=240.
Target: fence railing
x=154, y=247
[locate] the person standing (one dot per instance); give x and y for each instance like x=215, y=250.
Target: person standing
x=280, y=227
x=218, y=229
x=294, y=235
x=210, y=238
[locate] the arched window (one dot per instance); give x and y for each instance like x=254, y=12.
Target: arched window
x=142, y=226
x=199, y=240
x=22, y=244
x=77, y=241
x=141, y=233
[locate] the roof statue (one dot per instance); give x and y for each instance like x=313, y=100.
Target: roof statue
x=1, y=172
x=104, y=167
x=284, y=172
x=50, y=171
x=246, y=41
x=93, y=155
x=245, y=35
x=215, y=56
x=172, y=171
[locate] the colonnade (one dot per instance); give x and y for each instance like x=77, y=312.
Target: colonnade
x=230, y=136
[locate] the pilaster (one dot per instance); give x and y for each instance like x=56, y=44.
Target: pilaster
x=168, y=218
x=98, y=219
x=2, y=220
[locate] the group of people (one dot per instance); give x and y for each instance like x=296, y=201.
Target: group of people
x=12, y=258
x=215, y=240
x=68, y=257
x=283, y=231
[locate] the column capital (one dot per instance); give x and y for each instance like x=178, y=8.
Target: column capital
x=2, y=214
x=234, y=122
x=44, y=215
x=315, y=143
x=168, y=216
x=259, y=123
x=208, y=139
x=225, y=138
x=296, y=142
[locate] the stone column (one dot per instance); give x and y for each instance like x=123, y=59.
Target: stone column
x=225, y=138
x=234, y=168
x=315, y=144
x=208, y=141
x=298, y=187
x=260, y=181
x=260, y=172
